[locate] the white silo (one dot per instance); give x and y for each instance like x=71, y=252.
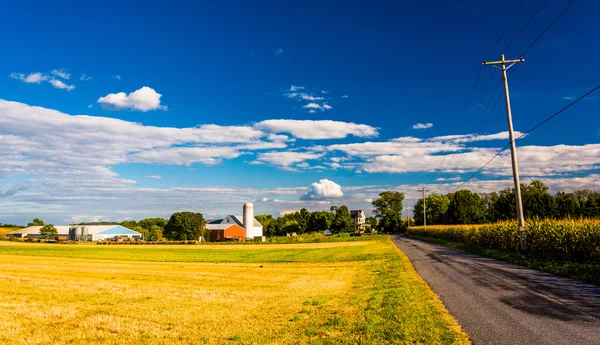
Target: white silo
x=249, y=219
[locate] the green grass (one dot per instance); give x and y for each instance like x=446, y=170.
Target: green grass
x=587, y=272
x=364, y=292
x=312, y=252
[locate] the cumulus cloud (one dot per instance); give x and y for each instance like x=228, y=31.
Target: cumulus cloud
x=61, y=73
x=60, y=85
x=156, y=177
x=324, y=189
x=143, y=99
x=422, y=125
x=317, y=129
x=345, y=96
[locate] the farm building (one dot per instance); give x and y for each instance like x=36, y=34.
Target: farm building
x=80, y=232
x=236, y=227
x=359, y=218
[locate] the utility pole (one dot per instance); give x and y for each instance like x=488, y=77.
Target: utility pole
x=408, y=217
x=511, y=137
x=424, y=208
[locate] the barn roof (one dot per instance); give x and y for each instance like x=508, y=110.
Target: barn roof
x=64, y=229
x=118, y=230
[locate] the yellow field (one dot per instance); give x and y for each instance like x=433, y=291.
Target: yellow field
x=54, y=299
x=4, y=231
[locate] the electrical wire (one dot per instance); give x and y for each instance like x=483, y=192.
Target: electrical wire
x=527, y=132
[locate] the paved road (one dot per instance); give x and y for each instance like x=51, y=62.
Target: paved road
x=500, y=303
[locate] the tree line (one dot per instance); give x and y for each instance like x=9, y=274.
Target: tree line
x=467, y=207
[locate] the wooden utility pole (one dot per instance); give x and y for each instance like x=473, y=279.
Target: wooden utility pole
x=424, y=208
x=511, y=137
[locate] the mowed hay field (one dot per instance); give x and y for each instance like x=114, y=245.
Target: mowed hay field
x=362, y=292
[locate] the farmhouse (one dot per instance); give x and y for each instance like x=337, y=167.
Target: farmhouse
x=80, y=232
x=360, y=220
x=238, y=228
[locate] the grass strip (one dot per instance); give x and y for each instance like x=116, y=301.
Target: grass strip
x=586, y=272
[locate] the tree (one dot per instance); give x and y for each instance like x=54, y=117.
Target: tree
x=184, y=226
x=156, y=233
x=48, y=231
x=437, y=209
x=342, y=220
x=388, y=209
x=320, y=221
x=466, y=208
x=373, y=222
x=302, y=218
x=36, y=222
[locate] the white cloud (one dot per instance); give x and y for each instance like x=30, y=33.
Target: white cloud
x=327, y=106
x=36, y=77
x=89, y=106
x=422, y=125
x=370, y=200
x=265, y=199
x=345, y=96
x=61, y=73
x=156, y=177
x=313, y=106
x=308, y=97
x=295, y=88
x=144, y=99
x=324, y=189
x=117, y=77
x=287, y=158
x=84, y=77
x=60, y=85
x=317, y=129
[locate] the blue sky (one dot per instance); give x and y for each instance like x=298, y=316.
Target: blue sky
x=373, y=70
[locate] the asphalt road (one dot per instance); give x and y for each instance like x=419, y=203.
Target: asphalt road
x=500, y=303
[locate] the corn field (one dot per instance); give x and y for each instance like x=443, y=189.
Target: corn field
x=568, y=239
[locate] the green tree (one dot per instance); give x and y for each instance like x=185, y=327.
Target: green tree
x=537, y=201
x=302, y=219
x=388, y=209
x=342, y=220
x=36, y=222
x=372, y=221
x=129, y=224
x=156, y=233
x=466, y=208
x=48, y=231
x=185, y=226
x=320, y=221
x=437, y=209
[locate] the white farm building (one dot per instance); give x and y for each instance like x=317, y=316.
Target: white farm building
x=80, y=232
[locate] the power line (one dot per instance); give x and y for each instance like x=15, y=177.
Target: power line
x=437, y=171
x=506, y=28
x=564, y=10
x=527, y=132
x=525, y=26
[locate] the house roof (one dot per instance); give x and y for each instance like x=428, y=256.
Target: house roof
x=356, y=213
